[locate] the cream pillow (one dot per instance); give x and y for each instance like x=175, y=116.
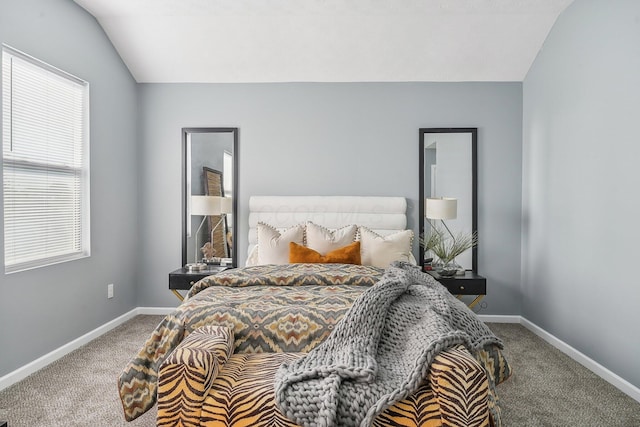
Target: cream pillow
x=273, y=245
x=380, y=251
x=323, y=240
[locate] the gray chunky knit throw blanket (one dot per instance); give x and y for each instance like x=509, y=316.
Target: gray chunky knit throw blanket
x=380, y=352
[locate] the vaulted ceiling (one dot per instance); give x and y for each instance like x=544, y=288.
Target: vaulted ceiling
x=326, y=40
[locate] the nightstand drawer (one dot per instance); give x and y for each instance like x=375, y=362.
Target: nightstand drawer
x=467, y=287
x=469, y=284
x=184, y=279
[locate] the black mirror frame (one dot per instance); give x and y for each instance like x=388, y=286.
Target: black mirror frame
x=474, y=185
x=185, y=131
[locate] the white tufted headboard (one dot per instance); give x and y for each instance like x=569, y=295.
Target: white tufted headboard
x=384, y=215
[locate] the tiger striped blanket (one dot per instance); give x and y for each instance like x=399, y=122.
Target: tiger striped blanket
x=380, y=352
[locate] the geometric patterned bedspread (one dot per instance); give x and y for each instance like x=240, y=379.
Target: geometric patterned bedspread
x=293, y=275
x=271, y=308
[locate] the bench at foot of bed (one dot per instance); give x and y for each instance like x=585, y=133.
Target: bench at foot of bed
x=200, y=384
x=187, y=374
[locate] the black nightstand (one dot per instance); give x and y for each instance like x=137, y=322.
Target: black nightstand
x=469, y=284
x=183, y=279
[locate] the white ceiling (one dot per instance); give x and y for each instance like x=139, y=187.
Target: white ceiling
x=326, y=40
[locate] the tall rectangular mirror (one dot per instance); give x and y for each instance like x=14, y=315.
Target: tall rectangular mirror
x=448, y=169
x=210, y=168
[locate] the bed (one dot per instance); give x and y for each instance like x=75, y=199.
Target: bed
x=214, y=360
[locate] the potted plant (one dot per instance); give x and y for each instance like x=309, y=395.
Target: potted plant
x=447, y=248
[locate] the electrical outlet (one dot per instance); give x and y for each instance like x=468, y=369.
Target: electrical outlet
x=110, y=290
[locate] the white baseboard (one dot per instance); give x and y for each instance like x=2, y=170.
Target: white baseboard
x=28, y=369
x=499, y=318
x=31, y=367
x=155, y=311
x=620, y=383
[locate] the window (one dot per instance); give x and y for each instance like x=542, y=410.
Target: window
x=45, y=163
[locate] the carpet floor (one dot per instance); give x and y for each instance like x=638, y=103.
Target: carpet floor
x=546, y=389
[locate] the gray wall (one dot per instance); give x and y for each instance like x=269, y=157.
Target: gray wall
x=581, y=182
x=45, y=308
x=333, y=139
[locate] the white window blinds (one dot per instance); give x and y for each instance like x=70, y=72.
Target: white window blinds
x=45, y=163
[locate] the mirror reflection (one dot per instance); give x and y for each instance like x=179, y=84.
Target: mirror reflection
x=209, y=195
x=448, y=171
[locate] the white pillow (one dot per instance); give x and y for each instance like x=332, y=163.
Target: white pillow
x=380, y=251
x=252, y=259
x=273, y=246
x=323, y=240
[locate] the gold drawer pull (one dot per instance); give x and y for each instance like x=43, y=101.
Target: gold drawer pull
x=462, y=288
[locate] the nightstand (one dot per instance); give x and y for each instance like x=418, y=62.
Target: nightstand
x=183, y=279
x=469, y=284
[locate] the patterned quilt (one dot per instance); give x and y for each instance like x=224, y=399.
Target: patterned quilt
x=270, y=308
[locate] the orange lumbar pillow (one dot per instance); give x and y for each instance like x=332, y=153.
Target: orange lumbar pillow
x=349, y=254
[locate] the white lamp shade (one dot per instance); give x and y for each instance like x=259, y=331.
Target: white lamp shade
x=441, y=208
x=210, y=205
x=226, y=205
x=205, y=205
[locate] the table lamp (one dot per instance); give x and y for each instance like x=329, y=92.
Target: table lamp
x=441, y=208
x=206, y=206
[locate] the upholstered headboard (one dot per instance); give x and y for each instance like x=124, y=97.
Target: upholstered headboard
x=384, y=215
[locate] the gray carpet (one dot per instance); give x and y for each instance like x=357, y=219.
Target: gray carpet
x=546, y=389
